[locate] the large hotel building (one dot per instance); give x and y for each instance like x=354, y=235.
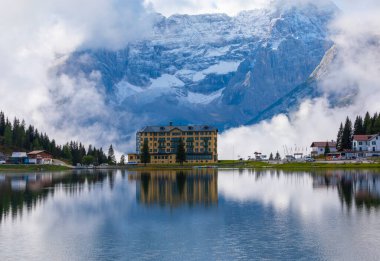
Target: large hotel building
x=200, y=143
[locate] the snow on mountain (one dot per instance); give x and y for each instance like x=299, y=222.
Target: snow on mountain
x=211, y=68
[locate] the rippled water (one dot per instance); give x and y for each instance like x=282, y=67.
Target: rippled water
x=193, y=215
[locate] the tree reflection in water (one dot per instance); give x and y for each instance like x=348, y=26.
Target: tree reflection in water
x=360, y=190
x=23, y=192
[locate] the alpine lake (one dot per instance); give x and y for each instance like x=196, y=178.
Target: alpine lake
x=199, y=214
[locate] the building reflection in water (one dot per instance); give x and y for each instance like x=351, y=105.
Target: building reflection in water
x=355, y=189
x=175, y=188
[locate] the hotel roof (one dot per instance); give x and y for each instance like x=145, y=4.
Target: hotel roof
x=182, y=128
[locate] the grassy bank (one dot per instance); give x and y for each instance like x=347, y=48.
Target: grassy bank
x=34, y=168
x=221, y=164
x=310, y=165
x=262, y=165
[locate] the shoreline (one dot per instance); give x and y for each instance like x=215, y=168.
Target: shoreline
x=220, y=165
x=35, y=168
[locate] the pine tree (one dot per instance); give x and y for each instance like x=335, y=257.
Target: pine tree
x=376, y=126
x=8, y=135
x=367, y=124
x=145, y=156
x=89, y=150
x=67, y=153
x=271, y=156
x=373, y=121
x=88, y=160
x=358, y=126
x=122, y=160
x=347, y=135
x=36, y=144
x=22, y=138
x=2, y=123
x=339, y=145
x=181, y=152
x=327, y=149
x=111, y=156
x=278, y=157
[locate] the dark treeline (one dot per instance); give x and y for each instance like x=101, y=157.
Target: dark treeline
x=17, y=136
x=362, y=126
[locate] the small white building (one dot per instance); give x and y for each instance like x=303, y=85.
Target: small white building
x=374, y=143
x=318, y=147
x=361, y=142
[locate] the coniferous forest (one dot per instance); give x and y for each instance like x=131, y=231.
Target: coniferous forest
x=16, y=136
x=362, y=126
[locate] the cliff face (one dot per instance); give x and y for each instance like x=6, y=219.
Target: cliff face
x=218, y=69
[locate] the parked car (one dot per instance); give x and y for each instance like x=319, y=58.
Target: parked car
x=2, y=161
x=309, y=159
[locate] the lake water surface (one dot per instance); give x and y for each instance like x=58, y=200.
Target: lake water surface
x=190, y=215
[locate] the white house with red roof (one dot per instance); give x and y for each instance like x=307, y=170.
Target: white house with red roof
x=361, y=142
x=318, y=147
x=374, y=143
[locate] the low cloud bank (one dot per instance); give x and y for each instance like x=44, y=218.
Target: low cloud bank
x=353, y=79
x=36, y=36
x=230, y=7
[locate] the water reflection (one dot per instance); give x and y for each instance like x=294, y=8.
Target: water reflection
x=117, y=215
x=361, y=190
x=175, y=188
x=23, y=192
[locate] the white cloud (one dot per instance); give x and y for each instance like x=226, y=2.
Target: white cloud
x=232, y=7
x=284, y=192
x=296, y=131
x=357, y=66
x=37, y=35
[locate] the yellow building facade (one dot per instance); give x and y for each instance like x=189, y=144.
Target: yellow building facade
x=176, y=188
x=201, y=143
